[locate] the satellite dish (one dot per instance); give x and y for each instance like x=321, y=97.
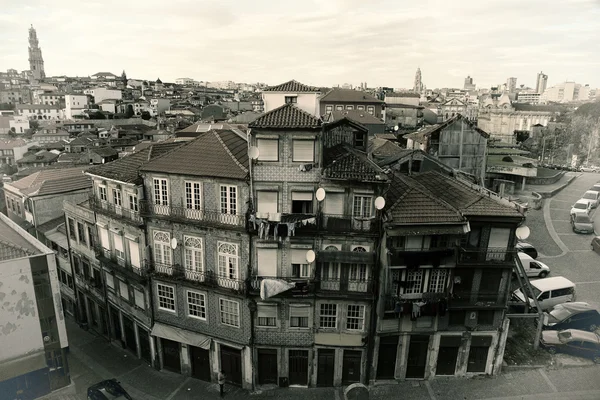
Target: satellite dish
x=522, y=232
x=310, y=256
x=379, y=203
x=320, y=194
x=253, y=152
x=173, y=243
x=396, y=128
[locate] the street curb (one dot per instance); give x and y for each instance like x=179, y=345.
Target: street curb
x=551, y=193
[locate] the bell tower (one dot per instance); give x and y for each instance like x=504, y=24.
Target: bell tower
x=36, y=62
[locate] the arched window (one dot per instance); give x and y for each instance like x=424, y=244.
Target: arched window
x=162, y=248
x=331, y=248
x=359, y=249
x=193, y=255
x=228, y=260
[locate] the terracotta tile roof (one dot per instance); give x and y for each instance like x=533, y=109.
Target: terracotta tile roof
x=287, y=116
x=344, y=162
x=11, y=143
x=349, y=96
x=126, y=169
x=421, y=134
x=104, y=151
x=221, y=154
x=359, y=116
x=40, y=156
x=292, y=87
x=402, y=94
x=53, y=181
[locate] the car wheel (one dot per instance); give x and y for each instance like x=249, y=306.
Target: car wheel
x=552, y=350
x=543, y=274
x=593, y=327
x=596, y=359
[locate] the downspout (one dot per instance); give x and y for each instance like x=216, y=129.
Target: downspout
x=251, y=303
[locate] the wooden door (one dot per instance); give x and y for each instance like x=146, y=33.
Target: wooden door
x=145, y=352
x=267, y=366
x=231, y=364
x=446, y=362
x=171, y=355
x=200, y=363
x=298, y=361
x=386, y=363
x=325, y=367
x=116, y=323
x=351, y=366
x=417, y=356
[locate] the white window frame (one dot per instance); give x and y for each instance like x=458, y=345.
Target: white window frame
x=193, y=253
x=371, y=110
x=123, y=285
x=136, y=298
x=297, y=152
x=193, y=198
x=162, y=247
x=267, y=144
x=110, y=280
x=228, y=195
x=357, y=318
x=161, y=287
x=228, y=260
x=328, y=109
x=327, y=317
x=362, y=202
x=349, y=107
x=417, y=276
x=133, y=202
x=193, y=307
x=160, y=191
x=117, y=197
x=306, y=310
x=102, y=193
x=267, y=309
x=223, y=314
x=437, y=280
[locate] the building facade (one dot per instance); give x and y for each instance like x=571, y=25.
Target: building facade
x=348, y=99
x=302, y=96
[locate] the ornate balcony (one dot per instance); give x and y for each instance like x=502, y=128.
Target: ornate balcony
x=114, y=211
x=303, y=286
x=189, y=215
x=121, y=265
x=486, y=256
x=346, y=223
x=204, y=278
x=345, y=286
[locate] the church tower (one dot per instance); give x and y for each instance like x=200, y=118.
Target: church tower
x=418, y=86
x=36, y=62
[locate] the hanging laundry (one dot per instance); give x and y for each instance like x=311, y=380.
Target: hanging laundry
x=291, y=227
x=275, y=228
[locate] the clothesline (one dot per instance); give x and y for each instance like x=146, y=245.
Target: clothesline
x=280, y=229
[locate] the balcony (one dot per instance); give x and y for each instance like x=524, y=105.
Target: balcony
x=344, y=286
x=414, y=257
x=486, y=256
x=121, y=265
x=345, y=223
x=114, y=211
x=303, y=286
x=477, y=299
x=90, y=285
x=189, y=215
x=204, y=278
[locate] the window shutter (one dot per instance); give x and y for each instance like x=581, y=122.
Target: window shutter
x=499, y=238
x=268, y=149
x=118, y=240
x=304, y=150
x=104, y=238
x=110, y=282
x=299, y=311
x=302, y=196
x=134, y=253
x=139, y=299
x=267, y=262
x=266, y=202
x=267, y=311
x=299, y=256
x=124, y=290
x=334, y=204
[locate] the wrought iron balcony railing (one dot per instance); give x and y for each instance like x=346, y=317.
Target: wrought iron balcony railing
x=346, y=223
x=203, y=216
x=206, y=278
x=302, y=286
x=113, y=210
x=120, y=264
x=489, y=255
x=460, y=298
x=345, y=286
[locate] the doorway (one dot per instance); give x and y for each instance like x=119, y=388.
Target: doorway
x=417, y=356
x=129, y=329
x=116, y=323
x=267, y=366
x=144, y=338
x=298, y=360
x=325, y=367
x=171, y=355
x=478, y=353
x=351, y=366
x=447, y=355
x=231, y=364
x=200, y=363
x=386, y=363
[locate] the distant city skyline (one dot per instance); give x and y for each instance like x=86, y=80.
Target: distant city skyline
x=316, y=43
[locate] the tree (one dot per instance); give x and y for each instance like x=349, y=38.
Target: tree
x=124, y=78
x=129, y=113
x=146, y=115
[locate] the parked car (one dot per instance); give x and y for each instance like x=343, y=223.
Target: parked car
x=548, y=292
x=572, y=341
x=532, y=267
x=575, y=315
x=581, y=206
x=596, y=244
x=527, y=248
x=592, y=197
x=109, y=389
x=589, y=169
x=581, y=223
x=596, y=187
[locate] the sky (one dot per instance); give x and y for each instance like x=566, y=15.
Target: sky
x=316, y=42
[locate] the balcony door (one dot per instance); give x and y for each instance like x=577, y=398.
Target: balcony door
x=160, y=195
x=162, y=253
x=228, y=201
x=193, y=200
x=228, y=265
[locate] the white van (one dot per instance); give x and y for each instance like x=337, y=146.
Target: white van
x=549, y=292
x=533, y=267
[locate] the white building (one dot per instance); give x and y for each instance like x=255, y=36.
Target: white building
x=302, y=96
x=75, y=104
x=159, y=106
x=184, y=81
x=50, y=98
x=101, y=93
x=566, y=92
x=530, y=97
x=39, y=111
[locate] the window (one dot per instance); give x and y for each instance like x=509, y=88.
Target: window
x=359, y=139
x=328, y=316
x=302, y=202
x=230, y=312
x=339, y=108
x=133, y=202
x=300, y=267
x=91, y=236
x=267, y=315
x=371, y=110
x=299, y=316
x=162, y=247
x=334, y=204
x=193, y=195
x=414, y=280
x=161, y=192
x=228, y=199
x=166, y=297
x=360, y=108
x=349, y=107
x=134, y=253
x=355, y=317
x=196, y=304
x=81, y=233
x=291, y=99
x=110, y=281
x=268, y=149
x=104, y=238
x=267, y=262
x=117, y=197
x=139, y=299
x=358, y=273
x=228, y=260
x=362, y=206
x=267, y=202
x=192, y=248
x=123, y=290
x=119, y=250
x=328, y=109
x=303, y=150
x=437, y=280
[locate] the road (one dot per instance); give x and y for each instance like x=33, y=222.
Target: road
x=570, y=254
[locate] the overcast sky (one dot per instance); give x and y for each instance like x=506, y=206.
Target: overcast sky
x=317, y=42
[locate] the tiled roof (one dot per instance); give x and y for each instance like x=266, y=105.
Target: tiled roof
x=382, y=149
x=126, y=169
x=220, y=154
x=11, y=143
x=292, y=87
x=53, y=181
x=344, y=162
x=80, y=141
x=12, y=243
x=359, y=116
x=349, y=96
x=287, y=116
x=462, y=197
x=403, y=94
x=40, y=156
x=421, y=134
x=104, y=151
x=538, y=107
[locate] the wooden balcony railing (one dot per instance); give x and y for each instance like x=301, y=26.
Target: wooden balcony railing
x=205, y=278
x=203, y=216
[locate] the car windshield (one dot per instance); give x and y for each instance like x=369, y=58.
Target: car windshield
x=564, y=336
x=581, y=206
x=560, y=314
x=536, y=292
x=590, y=196
x=582, y=218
